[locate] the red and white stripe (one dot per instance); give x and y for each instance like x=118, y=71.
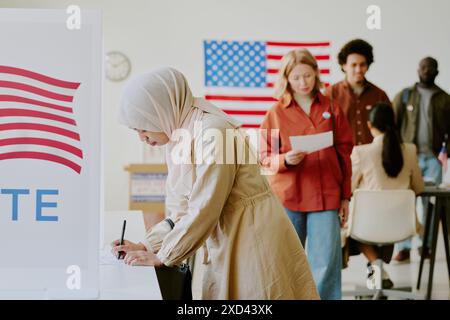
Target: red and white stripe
x=249, y=105
x=36, y=118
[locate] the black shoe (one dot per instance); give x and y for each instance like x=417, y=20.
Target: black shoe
x=387, y=284
x=402, y=256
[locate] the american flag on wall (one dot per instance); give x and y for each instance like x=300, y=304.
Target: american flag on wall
x=239, y=75
x=36, y=119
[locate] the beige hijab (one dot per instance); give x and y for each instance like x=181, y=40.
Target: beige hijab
x=161, y=101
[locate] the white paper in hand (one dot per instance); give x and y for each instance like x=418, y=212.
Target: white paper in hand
x=313, y=142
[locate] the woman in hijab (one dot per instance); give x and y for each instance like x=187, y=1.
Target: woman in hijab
x=250, y=248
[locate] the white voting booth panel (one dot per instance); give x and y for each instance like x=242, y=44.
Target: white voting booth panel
x=117, y=280
x=50, y=155
x=122, y=282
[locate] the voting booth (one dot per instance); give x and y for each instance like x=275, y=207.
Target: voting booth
x=50, y=152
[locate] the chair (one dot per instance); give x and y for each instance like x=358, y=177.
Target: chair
x=382, y=217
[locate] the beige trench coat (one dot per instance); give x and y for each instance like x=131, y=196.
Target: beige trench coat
x=251, y=248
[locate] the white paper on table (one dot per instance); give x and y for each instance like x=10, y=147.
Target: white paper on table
x=107, y=258
x=313, y=142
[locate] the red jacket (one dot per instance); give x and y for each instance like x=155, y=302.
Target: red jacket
x=320, y=181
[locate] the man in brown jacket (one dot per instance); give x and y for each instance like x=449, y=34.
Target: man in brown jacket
x=355, y=94
x=423, y=118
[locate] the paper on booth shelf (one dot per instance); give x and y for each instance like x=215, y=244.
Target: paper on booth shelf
x=313, y=142
x=107, y=257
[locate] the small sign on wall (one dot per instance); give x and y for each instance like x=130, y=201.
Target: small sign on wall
x=147, y=187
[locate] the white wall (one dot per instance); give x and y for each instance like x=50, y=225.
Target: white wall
x=169, y=32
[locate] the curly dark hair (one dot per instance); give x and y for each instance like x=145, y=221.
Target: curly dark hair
x=358, y=46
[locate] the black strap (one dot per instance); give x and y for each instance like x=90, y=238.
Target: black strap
x=170, y=222
x=401, y=112
x=333, y=123
x=333, y=119
x=405, y=96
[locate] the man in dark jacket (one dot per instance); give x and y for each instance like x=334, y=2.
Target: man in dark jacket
x=423, y=118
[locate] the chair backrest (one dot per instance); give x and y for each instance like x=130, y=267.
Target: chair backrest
x=382, y=216
x=446, y=174
x=112, y=226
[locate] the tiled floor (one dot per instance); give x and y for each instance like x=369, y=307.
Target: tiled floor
x=403, y=275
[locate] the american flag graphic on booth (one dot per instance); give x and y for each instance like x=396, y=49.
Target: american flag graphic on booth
x=36, y=118
x=240, y=75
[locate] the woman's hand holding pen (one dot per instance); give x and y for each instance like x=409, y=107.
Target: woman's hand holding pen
x=142, y=258
x=126, y=246
x=136, y=253
x=293, y=158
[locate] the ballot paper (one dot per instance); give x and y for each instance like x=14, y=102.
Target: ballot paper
x=107, y=258
x=313, y=142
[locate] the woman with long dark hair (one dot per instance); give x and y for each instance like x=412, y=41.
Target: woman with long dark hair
x=386, y=163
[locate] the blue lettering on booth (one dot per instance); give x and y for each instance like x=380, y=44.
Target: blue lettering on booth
x=40, y=204
x=15, y=200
